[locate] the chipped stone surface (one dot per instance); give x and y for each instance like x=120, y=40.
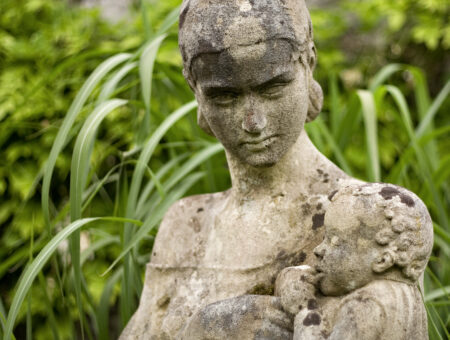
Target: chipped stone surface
x=376, y=248
x=239, y=264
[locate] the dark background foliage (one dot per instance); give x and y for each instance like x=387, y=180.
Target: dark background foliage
x=48, y=48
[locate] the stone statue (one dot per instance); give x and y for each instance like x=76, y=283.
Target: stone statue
x=217, y=257
x=372, y=256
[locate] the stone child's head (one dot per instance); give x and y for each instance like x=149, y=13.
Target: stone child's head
x=373, y=231
x=250, y=64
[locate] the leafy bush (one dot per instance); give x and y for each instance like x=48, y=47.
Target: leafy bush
x=129, y=146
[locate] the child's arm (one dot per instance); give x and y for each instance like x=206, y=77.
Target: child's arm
x=358, y=318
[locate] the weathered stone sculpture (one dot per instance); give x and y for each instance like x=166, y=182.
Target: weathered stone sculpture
x=378, y=240
x=216, y=257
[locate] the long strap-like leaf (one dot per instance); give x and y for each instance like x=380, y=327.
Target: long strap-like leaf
x=63, y=132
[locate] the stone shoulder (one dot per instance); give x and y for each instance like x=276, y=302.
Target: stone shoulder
x=183, y=230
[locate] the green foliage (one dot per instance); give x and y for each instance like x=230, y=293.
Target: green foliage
x=359, y=37
x=424, y=21
x=113, y=156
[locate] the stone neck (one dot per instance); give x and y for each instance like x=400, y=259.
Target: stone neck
x=288, y=177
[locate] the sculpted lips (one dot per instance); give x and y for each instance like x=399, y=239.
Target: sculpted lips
x=259, y=144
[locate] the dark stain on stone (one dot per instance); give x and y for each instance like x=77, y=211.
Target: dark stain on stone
x=262, y=289
x=288, y=260
x=281, y=254
x=306, y=209
x=326, y=180
x=325, y=334
x=205, y=46
x=312, y=319
x=199, y=210
x=154, y=253
x=330, y=196
x=183, y=52
x=405, y=199
x=183, y=15
x=312, y=304
x=299, y=258
x=319, y=206
x=320, y=171
x=389, y=192
x=228, y=319
x=163, y=302
x=318, y=220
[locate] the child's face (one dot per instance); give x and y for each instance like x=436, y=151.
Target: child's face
x=345, y=258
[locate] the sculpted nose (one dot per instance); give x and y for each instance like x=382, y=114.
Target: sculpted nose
x=319, y=251
x=254, y=122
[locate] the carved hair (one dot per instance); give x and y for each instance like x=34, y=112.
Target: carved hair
x=204, y=24
x=404, y=229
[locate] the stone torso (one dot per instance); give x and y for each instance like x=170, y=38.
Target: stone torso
x=212, y=247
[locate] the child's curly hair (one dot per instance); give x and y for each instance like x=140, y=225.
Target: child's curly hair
x=406, y=232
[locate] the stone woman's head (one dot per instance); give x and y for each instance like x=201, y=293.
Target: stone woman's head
x=250, y=64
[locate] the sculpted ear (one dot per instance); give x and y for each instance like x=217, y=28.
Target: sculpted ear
x=414, y=269
x=384, y=261
x=315, y=91
x=201, y=121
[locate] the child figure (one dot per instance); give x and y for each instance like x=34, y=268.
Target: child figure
x=366, y=282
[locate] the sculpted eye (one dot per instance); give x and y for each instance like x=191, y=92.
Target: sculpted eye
x=273, y=90
x=223, y=98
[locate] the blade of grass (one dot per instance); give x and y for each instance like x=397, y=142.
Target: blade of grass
x=383, y=75
x=335, y=111
x=442, y=96
x=82, y=154
x=169, y=20
x=2, y=315
x=51, y=314
x=146, y=64
x=64, y=130
x=157, y=215
x=370, y=124
x=423, y=103
x=111, y=85
x=104, y=305
x=179, y=174
x=424, y=163
x=334, y=146
x=39, y=262
x=350, y=121
x=34, y=268
x=146, y=20
x=159, y=175
x=394, y=175
x=147, y=153
x=78, y=177
x=132, y=198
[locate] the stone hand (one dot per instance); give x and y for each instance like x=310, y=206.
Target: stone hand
x=296, y=286
x=243, y=317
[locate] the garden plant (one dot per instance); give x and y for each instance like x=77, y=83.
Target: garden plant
x=98, y=138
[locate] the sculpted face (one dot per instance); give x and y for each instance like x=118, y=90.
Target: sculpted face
x=254, y=99
x=345, y=257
